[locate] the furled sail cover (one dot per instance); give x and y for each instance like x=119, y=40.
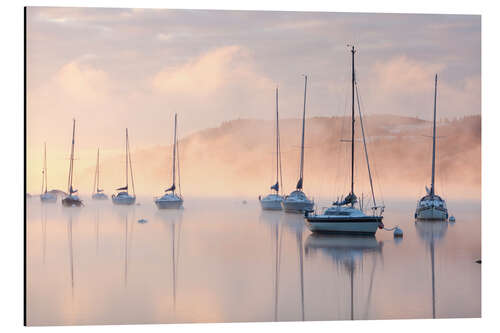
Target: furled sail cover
x=349, y=199
x=124, y=188
x=99, y=190
x=172, y=188
x=299, y=184
x=71, y=190
x=276, y=187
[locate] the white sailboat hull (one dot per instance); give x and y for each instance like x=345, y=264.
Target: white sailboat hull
x=271, y=202
x=123, y=200
x=169, y=204
x=99, y=196
x=353, y=228
x=297, y=207
x=431, y=213
x=48, y=197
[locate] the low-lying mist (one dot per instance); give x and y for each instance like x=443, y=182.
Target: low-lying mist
x=237, y=159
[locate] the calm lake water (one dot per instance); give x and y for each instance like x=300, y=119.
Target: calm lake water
x=225, y=261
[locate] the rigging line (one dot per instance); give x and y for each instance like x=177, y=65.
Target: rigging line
x=366, y=151
x=126, y=158
x=178, y=170
x=174, y=153
x=131, y=172
x=374, y=164
x=95, y=173
x=43, y=170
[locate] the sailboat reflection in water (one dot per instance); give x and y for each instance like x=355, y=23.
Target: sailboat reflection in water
x=346, y=252
x=172, y=220
x=432, y=232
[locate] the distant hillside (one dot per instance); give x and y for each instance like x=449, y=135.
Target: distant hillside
x=237, y=158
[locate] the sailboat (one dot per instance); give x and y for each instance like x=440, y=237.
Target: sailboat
x=171, y=200
x=72, y=199
x=297, y=201
x=274, y=200
x=123, y=197
x=46, y=196
x=432, y=206
x=98, y=193
x=343, y=216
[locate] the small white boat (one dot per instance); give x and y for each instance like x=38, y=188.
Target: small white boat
x=273, y=201
x=98, y=193
x=343, y=217
x=72, y=199
x=171, y=200
x=297, y=201
x=46, y=196
x=123, y=197
x=432, y=206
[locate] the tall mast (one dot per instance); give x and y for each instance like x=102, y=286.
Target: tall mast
x=174, y=153
x=434, y=138
x=70, y=176
x=44, y=181
x=277, y=141
x=352, y=136
x=96, y=174
x=98, y=171
x=131, y=171
x=301, y=178
x=126, y=158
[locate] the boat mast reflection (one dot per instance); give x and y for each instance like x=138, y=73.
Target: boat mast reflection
x=273, y=219
x=345, y=251
x=431, y=232
x=295, y=223
x=174, y=218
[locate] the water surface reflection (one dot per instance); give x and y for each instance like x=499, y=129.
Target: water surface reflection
x=220, y=261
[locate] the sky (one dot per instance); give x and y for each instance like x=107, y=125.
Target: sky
x=117, y=68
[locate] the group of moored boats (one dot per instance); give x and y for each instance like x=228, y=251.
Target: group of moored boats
x=345, y=215
x=171, y=199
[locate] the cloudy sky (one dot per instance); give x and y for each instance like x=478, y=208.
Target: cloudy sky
x=117, y=68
